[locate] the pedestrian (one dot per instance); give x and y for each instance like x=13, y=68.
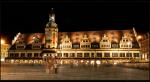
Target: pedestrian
x=55, y=68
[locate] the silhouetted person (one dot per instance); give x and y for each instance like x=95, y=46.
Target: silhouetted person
x=55, y=68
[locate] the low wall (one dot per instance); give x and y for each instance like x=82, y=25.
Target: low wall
x=144, y=66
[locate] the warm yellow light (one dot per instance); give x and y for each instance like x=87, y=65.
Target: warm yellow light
x=116, y=40
x=98, y=62
x=44, y=55
x=92, y=62
x=87, y=61
x=2, y=59
x=139, y=37
x=115, y=63
x=81, y=61
x=128, y=43
x=2, y=42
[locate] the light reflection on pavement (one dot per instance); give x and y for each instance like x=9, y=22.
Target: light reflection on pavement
x=72, y=72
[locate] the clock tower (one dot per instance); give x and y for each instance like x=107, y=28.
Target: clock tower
x=51, y=32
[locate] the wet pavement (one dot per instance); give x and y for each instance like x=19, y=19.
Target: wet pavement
x=72, y=72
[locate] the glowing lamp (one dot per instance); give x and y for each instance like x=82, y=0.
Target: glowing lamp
x=92, y=62
x=115, y=63
x=81, y=61
x=2, y=59
x=98, y=62
x=139, y=37
x=2, y=42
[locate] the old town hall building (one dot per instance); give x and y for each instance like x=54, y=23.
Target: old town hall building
x=103, y=44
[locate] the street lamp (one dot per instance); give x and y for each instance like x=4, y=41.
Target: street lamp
x=2, y=41
x=139, y=37
x=128, y=49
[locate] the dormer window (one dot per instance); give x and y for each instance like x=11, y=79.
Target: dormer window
x=20, y=42
x=66, y=41
x=36, y=46
x=85, y=43
x=105, y=42
x=36, y=40
x=66, y=44
x=20, y=47
x=125, y=42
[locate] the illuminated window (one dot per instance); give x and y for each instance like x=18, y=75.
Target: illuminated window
x=114, y=54
x=106, y=54
x=72, y=54
x=86, y=55
x=59, y=54
x=99, y=54
x=35, y=54
x=122, y=54
x=29, y=55
x=136, y=55
x=16, y=55
x=92, y=54
x=22, y=54
x=129, y=54
x=65, y=54
x=79, y=54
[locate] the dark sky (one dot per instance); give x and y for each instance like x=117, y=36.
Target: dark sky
x=30, y=17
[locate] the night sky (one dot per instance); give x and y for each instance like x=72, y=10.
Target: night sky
x=31, y=17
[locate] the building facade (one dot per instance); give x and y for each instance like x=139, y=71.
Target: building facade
x=145, y=47
x=4, y=51
x=103, y=44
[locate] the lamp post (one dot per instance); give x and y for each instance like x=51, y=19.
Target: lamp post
x=128, y=49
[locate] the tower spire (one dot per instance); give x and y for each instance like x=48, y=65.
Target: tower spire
x=52, y=16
